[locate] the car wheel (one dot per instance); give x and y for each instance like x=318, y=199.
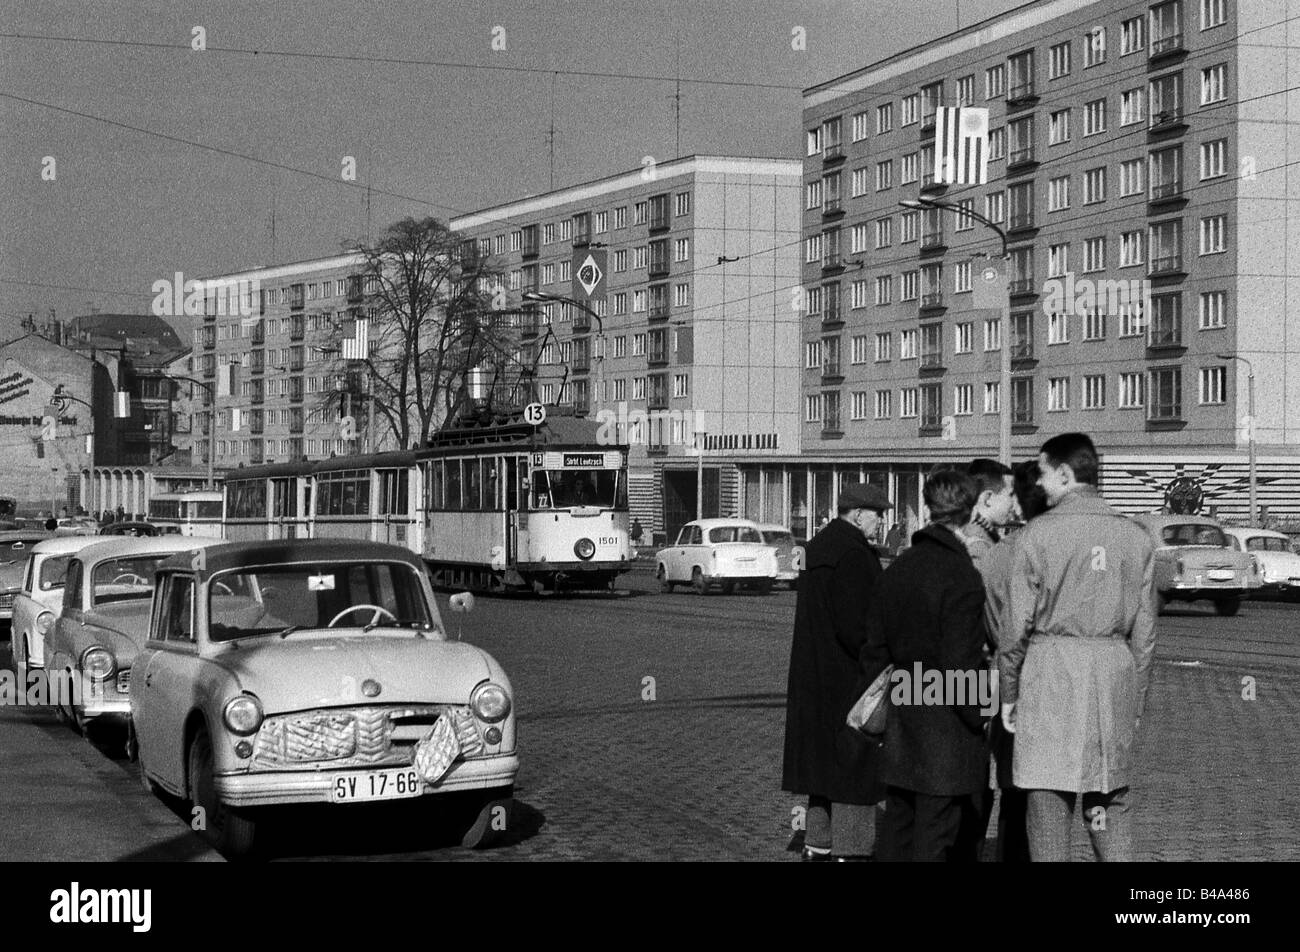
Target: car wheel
x=1227, y=607
x=728, y=588
x=665, y=586
x=229, y=830
x=698, y=584
x=491, y=821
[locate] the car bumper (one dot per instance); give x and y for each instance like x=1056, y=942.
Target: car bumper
x=1194, y=590
x=106, y=707
x=735, y=579
x=313, y=786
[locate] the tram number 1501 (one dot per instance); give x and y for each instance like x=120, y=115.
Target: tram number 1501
x=607, y=540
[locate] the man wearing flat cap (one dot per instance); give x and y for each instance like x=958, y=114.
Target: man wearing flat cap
x=825, y=759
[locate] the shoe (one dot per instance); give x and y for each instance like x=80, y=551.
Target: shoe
x=815, y=854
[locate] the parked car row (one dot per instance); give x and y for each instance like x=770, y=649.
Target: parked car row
x=253, y=675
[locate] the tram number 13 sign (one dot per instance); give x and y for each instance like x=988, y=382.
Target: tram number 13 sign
x=535, y=414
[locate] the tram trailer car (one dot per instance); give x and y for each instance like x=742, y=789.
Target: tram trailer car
x=198, y=512
x=269, y=501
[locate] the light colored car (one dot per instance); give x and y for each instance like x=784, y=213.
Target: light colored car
x=1195, y=561
x=15, y=549
x=783, y=540
x=316, y=672
x=722, y=552
x=105, y=617
x=1279, y=564
x=39, y=602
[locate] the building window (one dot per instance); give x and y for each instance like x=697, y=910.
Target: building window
x=1213, y=13
x=884, y=289
x=911, y=284
x=884, y=404
x=964, y=337
x=858, y=349
x=992, y=333
x=1166, y=26
x=1094, y=254
x=1132, y=320
x=858, y=238
x=1165, y=246
x=1131, y=178
x=1094, y=392
x=931, y=404
x=1165, y=99
x=1132, y=106
x=1022, y=400
x=1058, y=127
x=962, y=209
x=997, y=143
x=858, y=294
x=1214, y=234
x=1021, y=79
x=638, y=345
x=812, y=355
x=907, y=169
x=909, y=109
x=884, y=346
x=1094, y=117
x=907, y=402
x=1058, y=394
x=1213, y=158
x=908, y=226
x=1058, y=194
x=931, y=99
x=1214, y=385
x=813, y=195
x=1058, y=260
x=1214, y=310
x=620, y=346
x=1094, y=47
x=1132, y=36
x=620, y=217
x=639, y=300
x=994, y=81
x=1094, y=324
x=813, y=408
x=1058, y=328
x=884, y=175
x=638, y=388
x=680, y=385
x=812, y=249
x=640, y=212
x=683, y=204
x=1058, y=63
x=884, y=232
x=548, y=274
x=907, y=345
x=858, y=405
x=992, y=398
x=813, y=300
x=961, y=276
x=1094, y=186
x=682, y=249
x=995, y=207
x=1166, y=394
x=858, y=182
x=966, y=91
x=1214, y=84
x=1166, y=326
x=963, y=398
x=681, y=295
x=1130, y=249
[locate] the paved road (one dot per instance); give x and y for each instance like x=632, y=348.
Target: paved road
x=651, y=725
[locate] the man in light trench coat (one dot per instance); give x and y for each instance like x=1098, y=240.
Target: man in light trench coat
x=1077, y=659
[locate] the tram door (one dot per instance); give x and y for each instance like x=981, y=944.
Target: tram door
x=512, y=508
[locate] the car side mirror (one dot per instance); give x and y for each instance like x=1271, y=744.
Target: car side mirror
x=462, y=602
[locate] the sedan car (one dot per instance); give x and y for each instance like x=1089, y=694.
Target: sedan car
x=1194, y=561
x=1279, y=564
x=787, y=558
x=722, y=552
x=40, y=600
x=15, y=549
x=105, y=617
x=316, y=672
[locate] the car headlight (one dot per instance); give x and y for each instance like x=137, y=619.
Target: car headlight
x=243, y=714
x=44, y=622
x=584, y=549
x=98, y=663
x=490, y=702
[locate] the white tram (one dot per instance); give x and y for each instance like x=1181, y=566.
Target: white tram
x=194, y=513
x=497, y=507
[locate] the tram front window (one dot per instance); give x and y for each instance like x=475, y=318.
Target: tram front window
x=562, y=489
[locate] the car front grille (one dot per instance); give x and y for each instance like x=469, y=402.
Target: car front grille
x=356, y=737
x=7, y=601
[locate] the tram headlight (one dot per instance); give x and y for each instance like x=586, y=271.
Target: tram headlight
x=584, y=549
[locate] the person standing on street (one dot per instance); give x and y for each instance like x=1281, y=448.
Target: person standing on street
x=928, y=619
x=1076, y=656
x=825, y=759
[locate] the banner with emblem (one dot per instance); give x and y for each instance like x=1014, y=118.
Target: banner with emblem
x=589, y=270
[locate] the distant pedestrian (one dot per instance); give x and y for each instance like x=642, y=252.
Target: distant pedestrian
x=928, y=619
x=995, y=566
x=636, y=531
x=1075, y=656
x=825, y=759
x=894, y=539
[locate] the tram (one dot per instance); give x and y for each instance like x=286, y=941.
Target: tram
x=495, y=506
x=194, y=513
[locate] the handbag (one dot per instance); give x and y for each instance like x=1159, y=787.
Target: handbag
x=869, y=713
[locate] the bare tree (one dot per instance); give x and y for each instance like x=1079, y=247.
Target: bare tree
x=430, y=298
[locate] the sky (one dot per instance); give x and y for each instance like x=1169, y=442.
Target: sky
x=168, y=159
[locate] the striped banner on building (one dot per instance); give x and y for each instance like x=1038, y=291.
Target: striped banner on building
x=356, y=346
x=961, y=153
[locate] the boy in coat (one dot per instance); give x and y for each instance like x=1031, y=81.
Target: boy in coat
x=928, y=621
x=825, y=758
x=1076, y=656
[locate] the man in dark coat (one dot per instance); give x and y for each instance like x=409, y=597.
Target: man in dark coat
x=928, y=621
x=824, y=758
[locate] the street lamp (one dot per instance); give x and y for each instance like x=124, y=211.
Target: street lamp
x=1004, y=404
x=1250, y=429
x=61, y=397
x=212, y=424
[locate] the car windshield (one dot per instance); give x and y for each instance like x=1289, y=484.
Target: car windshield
x=734, y=534
x=54, y=572
x=279, y=599
x=772, y=537
x=14, y=551
x=126, y=578
x=1193, y=534
x=563, y=488
x=1267, y=544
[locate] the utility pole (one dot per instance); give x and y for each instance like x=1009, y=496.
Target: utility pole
x=1250, y=432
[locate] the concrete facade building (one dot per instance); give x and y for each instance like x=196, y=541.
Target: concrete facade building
x=697, y=330
x=1140, y=163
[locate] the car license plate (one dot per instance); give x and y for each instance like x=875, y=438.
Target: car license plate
x=376, y=785
x=1221, y=575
